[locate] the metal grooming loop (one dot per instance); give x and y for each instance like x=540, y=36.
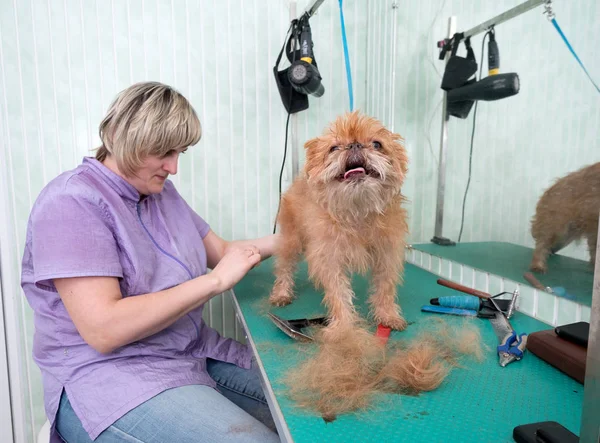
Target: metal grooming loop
x=483, y=27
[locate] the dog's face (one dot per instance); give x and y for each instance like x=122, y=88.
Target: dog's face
x=356, y=160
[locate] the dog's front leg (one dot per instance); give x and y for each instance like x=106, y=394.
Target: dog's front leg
x=331, y=276
x=286, y=259
x=385, y=276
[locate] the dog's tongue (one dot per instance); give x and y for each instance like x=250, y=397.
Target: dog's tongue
x=354, y=172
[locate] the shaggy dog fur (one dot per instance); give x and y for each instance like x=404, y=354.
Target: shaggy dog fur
x=344, y=214
x=344, y=376
x=567, y=211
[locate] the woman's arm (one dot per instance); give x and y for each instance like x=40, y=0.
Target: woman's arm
x=107, y=321
x=216, y=247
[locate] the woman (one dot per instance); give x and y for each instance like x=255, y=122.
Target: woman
x=115, y=269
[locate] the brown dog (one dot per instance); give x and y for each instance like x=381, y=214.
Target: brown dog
x=567, y=211
x=344, y=214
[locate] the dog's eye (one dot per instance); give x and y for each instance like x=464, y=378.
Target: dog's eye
x=334, y=148
x=376, y=145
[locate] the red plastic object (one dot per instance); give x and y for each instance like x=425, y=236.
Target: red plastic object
x=383, y=332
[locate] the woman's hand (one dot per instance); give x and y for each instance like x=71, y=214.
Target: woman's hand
x=217, y=248
x=234, y=265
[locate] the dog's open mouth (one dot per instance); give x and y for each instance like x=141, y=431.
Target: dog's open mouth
x=355, y=173
x=356, y=170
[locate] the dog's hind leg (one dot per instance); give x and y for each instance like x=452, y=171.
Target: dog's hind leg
x=592, y=239
x=548, y=241
x=386, y=273
x=540, y=256
x=546, y=234
x=569, y=235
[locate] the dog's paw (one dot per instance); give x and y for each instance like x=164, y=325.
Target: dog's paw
x=280, y=298
x=396, y=322
x=280, y=301
x=538, y=267
x=281, y=294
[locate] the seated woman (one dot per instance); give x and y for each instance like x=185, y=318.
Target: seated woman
x=115, y=269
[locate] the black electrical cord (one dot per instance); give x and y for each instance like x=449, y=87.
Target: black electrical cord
x=462, y=220
x=294, y=35
x=281, y=172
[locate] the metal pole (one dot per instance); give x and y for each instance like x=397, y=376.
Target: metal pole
x=439, y=210
x=505, y=16
x=590, y=416
x=312, y=8
x=294, y=117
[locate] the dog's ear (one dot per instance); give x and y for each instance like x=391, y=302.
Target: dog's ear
x=389, y=135
x=311, y=144
x=397, y=151
x=311, y=148
x=397, y=137
x=400, y=155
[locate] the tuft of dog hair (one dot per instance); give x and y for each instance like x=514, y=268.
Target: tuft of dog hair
x=344, y=375
x=340, y=377
x=566, y=212
x=344, y=214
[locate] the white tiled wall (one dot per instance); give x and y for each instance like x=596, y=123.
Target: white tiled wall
x=546, y=307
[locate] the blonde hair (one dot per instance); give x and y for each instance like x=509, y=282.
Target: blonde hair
x=147, y=119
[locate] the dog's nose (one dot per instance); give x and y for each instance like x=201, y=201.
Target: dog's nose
x=355, y=146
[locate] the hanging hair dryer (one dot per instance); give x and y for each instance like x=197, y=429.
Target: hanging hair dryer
x=303, y=74
x=493, y=87
x=462, y=92
x=302, y=78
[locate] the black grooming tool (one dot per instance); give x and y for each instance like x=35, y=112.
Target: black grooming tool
x=293, y=328
x=484, y=308
x=488, y=310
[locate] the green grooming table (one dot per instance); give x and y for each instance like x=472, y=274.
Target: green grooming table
x=512, y=261
x=480, y=402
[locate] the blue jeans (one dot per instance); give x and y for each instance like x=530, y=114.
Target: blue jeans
x=194, y=413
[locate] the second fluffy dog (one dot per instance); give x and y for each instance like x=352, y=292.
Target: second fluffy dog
x=567, y=211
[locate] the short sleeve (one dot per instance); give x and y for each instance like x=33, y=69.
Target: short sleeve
x=201, y=225
x=71, y=237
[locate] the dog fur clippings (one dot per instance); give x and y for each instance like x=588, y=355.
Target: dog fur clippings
x=344, y=376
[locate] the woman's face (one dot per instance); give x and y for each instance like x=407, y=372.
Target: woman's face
x=151, y=177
